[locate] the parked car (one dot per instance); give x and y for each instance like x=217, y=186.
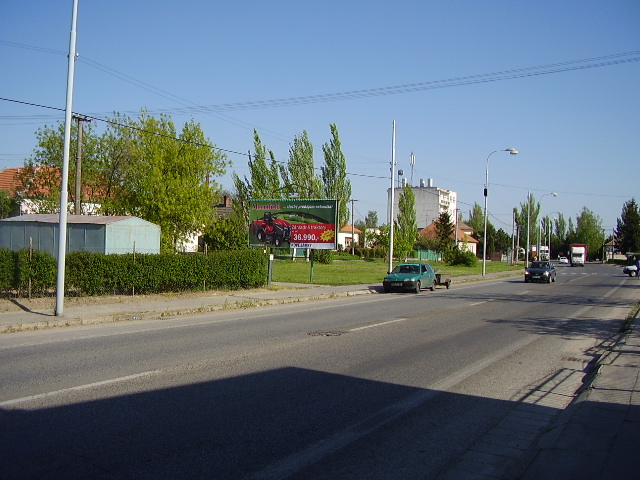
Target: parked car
x=563, y=260
x=630, y=270
x=540, y=271
x=410, y=276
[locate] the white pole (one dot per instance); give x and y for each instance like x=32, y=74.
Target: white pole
x=393, y=174
x=62, y=226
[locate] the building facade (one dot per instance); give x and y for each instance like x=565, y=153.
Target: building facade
x=430, y=202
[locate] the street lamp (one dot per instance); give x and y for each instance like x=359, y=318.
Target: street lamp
x=512, y=151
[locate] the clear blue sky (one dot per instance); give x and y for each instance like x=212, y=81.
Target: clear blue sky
x=577, y=131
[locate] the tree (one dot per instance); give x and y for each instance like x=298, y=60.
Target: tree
x=527, y=218
x=334, y=175
x=40, y=179
x=299, y=175
x=501, y=241
x=371, y=220
x=406, y=228
x=227, y=233
x=167, y=180
x=7, y=205
x=137, y=167
x=445, y=239
x=627, y=231
x=589, y=231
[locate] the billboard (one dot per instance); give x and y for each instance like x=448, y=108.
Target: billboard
x=293, y=223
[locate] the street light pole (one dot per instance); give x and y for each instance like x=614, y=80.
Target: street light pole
x=512, y=151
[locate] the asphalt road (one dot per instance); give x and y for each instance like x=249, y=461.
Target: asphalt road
x=374, y=386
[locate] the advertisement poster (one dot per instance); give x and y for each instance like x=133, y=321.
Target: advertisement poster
x=293, y=223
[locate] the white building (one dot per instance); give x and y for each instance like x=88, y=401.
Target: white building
x=430, y=202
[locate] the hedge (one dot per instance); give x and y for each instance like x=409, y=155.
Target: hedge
x=97, y=274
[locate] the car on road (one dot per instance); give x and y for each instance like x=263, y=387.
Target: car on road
x=563, y=260
x=630, y=270
x=410, y=276
x=540, y=271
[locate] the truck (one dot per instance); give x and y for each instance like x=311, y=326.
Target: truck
x=578, y=254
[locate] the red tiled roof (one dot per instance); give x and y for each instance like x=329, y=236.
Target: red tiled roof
x=430, y=232
x=8, y=180
x=348, y=229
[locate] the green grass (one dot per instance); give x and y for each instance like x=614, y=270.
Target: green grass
x=353, y=272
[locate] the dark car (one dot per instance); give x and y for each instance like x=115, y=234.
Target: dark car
x=271, y=229
x=410, y=276
x=540, y=271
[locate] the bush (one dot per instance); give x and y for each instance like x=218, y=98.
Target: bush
x=462, y=257
x=323, y=256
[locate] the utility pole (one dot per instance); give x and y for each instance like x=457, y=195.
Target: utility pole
x=62, y=224
x=353, y=230
x=78, y=202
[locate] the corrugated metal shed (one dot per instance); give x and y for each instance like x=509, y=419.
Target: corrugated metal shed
x=90, y=233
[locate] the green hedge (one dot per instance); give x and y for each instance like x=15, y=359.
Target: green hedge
x=97, y=274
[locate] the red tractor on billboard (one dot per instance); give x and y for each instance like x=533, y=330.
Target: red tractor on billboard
x=271, y=229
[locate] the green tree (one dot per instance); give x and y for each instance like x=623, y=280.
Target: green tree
x=7, y=205
x=445, y=239
x=334, y=175
x=227, y=233
x=371, y=220
x=263, y=181
x=406, y=228
x=501, y=241
x=167, y=178
x=589, y=231
x=299, y=175
x=40, y=178
x=627, y=231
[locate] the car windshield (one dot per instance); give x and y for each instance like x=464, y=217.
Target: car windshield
x=406, y=269
x=540, y=265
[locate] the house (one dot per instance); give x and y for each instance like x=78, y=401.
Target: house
x=348, y=235
x=9, y=181
x=462, y=234
x=89, y=233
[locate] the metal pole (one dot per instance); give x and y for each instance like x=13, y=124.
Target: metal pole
x=526, y=259
x=62, y=227
x=393, y=174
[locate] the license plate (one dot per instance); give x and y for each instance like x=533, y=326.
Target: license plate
x=396, y=284
x=535, y=276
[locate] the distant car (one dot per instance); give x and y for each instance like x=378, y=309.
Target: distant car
x=410, y=276
x=563, y=260
x=630, y=270
x=540, y=271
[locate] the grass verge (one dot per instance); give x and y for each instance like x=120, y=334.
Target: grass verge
x=354, y=272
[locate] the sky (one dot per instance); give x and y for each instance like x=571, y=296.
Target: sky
x=557, y=80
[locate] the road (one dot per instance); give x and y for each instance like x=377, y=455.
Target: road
x=374, y=386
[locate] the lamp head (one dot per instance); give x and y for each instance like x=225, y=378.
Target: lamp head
x=512, y=151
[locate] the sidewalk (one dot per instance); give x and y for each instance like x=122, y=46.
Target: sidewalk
x=596, y=437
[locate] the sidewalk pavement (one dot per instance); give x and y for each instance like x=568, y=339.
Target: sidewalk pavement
x=596, y=437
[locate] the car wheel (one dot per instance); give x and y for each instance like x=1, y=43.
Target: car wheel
x=418, y=286
x=448, y=284
x=433, y=286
